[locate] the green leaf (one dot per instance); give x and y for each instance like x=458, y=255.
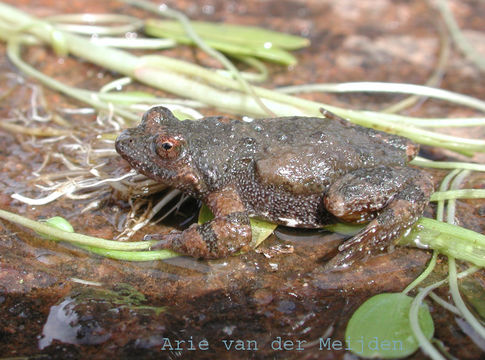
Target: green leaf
x=264, y=50
x=344, y=229
x=59, y=223
x=58, y=42
x=448, y=239
x=380, y=327
x=151, y=255
x=205, y=215
x=238, y=34
x=260, y=229
x=182, y=115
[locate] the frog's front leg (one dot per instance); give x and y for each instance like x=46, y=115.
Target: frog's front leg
x=228, y=232
x=392, y=198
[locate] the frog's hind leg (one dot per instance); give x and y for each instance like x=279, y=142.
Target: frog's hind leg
x=392, y=198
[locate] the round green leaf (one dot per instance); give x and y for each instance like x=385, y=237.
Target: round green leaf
x=59, y=223
x=380, y=327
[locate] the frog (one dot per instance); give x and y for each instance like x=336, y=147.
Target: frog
x=302, y=172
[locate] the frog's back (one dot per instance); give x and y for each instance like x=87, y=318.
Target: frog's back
x=332, y=143
x=300, y=154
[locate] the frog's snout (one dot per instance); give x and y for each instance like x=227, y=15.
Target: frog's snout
x=125, y=143
x=121, y=142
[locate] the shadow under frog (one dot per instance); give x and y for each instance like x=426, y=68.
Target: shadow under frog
x=296, y=171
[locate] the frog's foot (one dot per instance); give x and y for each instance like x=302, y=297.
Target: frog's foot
x=227, y=233
x=215, y=239
x=393, y=198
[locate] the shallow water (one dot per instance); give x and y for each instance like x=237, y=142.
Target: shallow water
x=276, y=302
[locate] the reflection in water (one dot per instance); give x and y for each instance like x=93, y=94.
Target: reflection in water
x=63, y=324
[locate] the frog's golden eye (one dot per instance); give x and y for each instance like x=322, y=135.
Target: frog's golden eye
x=167, y=147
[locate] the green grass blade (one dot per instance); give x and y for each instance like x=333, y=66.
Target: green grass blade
x=131, y=255
x=237, y=34
x=77, y=239
x=449, y=239
x=274, y=53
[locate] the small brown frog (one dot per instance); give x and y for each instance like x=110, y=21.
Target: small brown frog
x=296, y=171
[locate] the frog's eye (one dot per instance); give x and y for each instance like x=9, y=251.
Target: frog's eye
x=168, y=147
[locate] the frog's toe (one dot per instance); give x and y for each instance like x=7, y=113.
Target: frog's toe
x=150, y=237
x=165, y=241
x=341, y=261
x=161, y=244
x=357, y=249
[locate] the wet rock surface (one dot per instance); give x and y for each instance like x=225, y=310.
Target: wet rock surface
x=57, y=301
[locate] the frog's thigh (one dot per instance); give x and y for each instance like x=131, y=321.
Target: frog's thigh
x=397, y=207
x=227, y=233
x=358, y=195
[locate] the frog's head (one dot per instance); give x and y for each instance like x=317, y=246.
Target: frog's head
x=157, y=149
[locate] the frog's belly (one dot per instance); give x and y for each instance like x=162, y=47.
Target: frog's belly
x=304, y=211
